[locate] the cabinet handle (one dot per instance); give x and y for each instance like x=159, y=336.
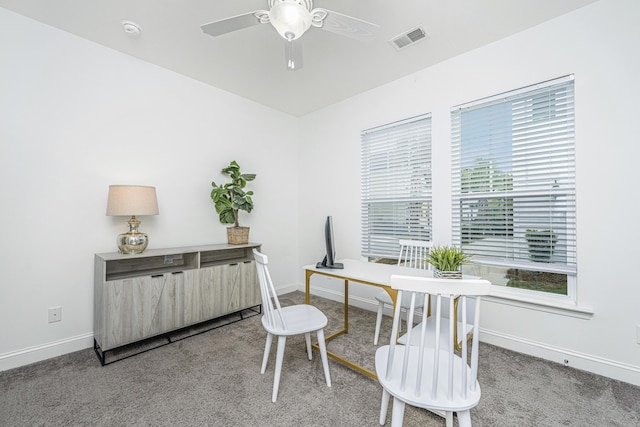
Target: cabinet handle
x=235, y=263
x=157, y=275
x=177, y=272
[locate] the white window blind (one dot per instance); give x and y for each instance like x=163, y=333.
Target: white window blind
x=514, y=178
x=396, y=185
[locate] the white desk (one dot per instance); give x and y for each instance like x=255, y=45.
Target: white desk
x=361, y=272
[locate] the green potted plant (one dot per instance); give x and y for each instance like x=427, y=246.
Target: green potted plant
x=446, y=261
x=541, y=244
x=231, y=198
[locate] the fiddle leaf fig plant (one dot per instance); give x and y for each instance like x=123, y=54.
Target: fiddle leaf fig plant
x=231, y=197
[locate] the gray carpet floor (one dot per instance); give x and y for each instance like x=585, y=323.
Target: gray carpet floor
x=213, y=379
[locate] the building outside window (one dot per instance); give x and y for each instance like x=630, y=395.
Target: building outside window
x=396, y=186
x=513, y=187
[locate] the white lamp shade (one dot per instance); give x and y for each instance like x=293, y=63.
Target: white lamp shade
x=129, y=200
x=290, y=19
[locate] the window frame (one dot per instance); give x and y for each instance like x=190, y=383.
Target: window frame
x=403, y=201
x=458, y=196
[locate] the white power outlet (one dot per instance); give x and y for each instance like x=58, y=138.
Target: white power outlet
x=55, y=314
x=638, y=334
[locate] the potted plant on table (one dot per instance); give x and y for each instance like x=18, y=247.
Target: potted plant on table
x=446, y=261
x=231, y=198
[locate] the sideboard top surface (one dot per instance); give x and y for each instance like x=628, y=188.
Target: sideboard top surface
x=110, y=256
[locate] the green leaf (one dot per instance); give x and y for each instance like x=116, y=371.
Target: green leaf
x=226, y=216
x=447, y=258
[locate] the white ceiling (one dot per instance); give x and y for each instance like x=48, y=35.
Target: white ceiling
x=250, y=62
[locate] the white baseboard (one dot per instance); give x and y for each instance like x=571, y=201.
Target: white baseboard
x=354, y=300
x=45, y=351
x=586, y=362
x=288, y=289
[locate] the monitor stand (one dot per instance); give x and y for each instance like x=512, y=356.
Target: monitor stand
x=323, y=264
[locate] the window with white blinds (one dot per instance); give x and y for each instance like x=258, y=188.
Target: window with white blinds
x=396, y=185
x=514, y=198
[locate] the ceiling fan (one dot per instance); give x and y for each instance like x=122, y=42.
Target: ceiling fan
x=291, y=19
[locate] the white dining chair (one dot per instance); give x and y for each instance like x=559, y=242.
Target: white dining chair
x=430, y=374
x=413, y=254
x=286, y=321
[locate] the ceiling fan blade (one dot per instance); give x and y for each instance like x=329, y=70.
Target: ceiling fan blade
x=293, y=54
x=233, y=23
x=349, y=26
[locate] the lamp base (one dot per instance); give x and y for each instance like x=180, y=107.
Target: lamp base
x=132, y=242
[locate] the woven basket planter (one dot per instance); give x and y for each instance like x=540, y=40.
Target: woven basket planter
x=447, y=274
x=238, y=235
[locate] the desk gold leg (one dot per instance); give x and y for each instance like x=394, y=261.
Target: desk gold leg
x=345, y=327
x=393, y=294
x=458, y=343
x=346, y=307
x=334, y=335
x=307, y=286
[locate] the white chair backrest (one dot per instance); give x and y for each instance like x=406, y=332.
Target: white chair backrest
x=431, y=354
x=270, y=303
x=413, y=254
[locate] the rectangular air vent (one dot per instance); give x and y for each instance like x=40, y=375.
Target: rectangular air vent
x=409, y=38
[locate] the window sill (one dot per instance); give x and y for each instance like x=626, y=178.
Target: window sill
x=499, y=295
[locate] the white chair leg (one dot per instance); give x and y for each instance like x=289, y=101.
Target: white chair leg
x=464, y=418
x=267, y=349
x=378, y=323
x=397, y=416
x=307, y=338
x=384, y=406
x=448, y=416
x=323, y=355
x=282, y=340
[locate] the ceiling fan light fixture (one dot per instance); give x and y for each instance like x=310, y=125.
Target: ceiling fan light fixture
x=290, y=18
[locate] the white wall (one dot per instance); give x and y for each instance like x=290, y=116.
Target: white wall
x=76, y=117
x=599, y=44
x=73, y=115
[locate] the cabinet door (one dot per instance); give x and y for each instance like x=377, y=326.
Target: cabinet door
x=218, y=292
x=233, y=287
x=201, y=295
x=242, y=288
x=249, y=290
x=175, y=300
x=228, y=288
x=142, y=307
x=128, y=308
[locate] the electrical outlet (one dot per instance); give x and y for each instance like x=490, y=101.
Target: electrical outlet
x=638, y=334
x=55, y=314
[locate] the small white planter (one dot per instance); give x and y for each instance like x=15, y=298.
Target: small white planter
x=447, y=274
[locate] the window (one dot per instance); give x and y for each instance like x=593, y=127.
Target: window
x=396, y=185
x=514, y=206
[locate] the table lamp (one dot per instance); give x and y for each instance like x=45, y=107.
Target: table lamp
x=132, y=200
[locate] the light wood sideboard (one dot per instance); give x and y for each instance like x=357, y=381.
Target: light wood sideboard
x=163, y=290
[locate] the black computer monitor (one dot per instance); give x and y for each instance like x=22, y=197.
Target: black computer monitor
x=329, y=258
